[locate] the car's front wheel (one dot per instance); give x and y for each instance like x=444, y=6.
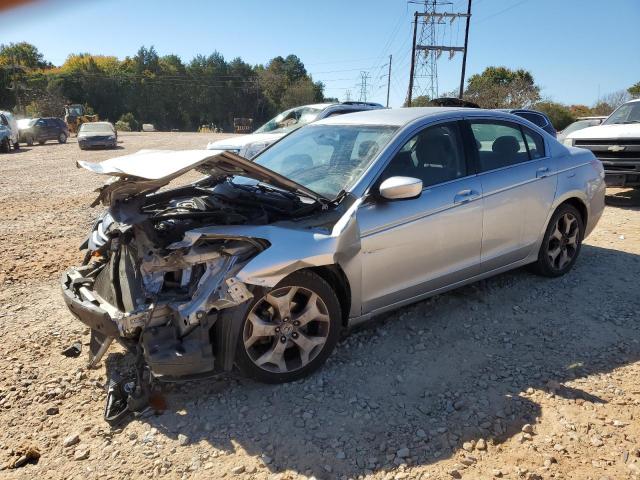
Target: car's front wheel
x=561, y=244
x=62, y=138
x=289, y=330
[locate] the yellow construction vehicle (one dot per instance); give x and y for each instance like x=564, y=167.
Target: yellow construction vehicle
x=74, y=116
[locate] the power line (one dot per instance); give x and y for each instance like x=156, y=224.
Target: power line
x=429, y=46
x=364, y=77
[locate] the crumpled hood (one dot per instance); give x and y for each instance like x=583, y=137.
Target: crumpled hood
x=148, y=170
x=605, y=132
x=237, y=142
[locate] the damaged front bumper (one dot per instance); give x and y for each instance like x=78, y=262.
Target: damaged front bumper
x=175, y=334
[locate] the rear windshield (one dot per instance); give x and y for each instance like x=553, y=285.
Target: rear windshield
x=96, y=128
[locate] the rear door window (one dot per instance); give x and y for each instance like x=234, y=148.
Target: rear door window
x=535, y=143
x=499, y=144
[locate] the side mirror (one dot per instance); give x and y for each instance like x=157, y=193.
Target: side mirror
x=400, y=188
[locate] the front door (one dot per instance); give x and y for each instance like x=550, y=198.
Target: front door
x=412, y=247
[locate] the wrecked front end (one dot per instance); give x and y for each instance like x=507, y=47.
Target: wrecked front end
x=163, y=291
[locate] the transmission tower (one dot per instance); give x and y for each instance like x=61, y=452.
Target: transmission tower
x=364, y=78
x=426, y=50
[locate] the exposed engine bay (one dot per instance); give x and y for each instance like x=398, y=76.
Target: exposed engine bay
x=160, y=273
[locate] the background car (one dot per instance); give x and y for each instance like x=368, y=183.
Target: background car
x=579, y=124
x=41, y=129
x=9, y=122
x=248, y=146
x=616, y=143
x=535, y=117
x=5, y=139
x=97, y=135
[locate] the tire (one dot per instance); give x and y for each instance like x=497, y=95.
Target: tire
x=16, y=146
x=5, y=146
x=561, y=243
x=41, y=142
x=62, y=138
x=297, y=348
x=30, y=141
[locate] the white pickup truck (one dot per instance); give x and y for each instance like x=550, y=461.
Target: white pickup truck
x=616, y=143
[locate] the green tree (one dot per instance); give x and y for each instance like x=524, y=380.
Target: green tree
x=560, y=115
x=634, y=90
x=501, y=87
x=419, y=101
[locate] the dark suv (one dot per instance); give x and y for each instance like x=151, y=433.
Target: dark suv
x=535, y=117
x=42, y=129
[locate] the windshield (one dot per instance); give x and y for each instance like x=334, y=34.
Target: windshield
x=627, y=113
x=96, y=128
x=580, y=124
x=75, y=110
x=326, y=158
x=290, y=120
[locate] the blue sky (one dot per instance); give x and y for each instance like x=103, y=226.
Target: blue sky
x=576, y=49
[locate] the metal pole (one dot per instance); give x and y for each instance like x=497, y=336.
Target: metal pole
x=464, y=55
x=413, y=58
x=389, y=80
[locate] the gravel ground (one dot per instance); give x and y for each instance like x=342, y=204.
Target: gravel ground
x=513, y=377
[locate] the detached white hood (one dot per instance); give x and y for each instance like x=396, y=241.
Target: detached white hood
x=606, y=132
x=236, y=143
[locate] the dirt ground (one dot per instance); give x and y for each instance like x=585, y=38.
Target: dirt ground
x=513, y=377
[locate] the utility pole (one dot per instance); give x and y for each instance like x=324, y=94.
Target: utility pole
x=426, y=50
x=464, y=55
x=389, y=79
x=413, y=59
x=364, y=77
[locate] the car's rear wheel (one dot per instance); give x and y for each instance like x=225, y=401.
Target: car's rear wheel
x=41, y=142
x=562, y=242
x=16, y=146
x=62, y=138
x=289, y=330
x=30, y=141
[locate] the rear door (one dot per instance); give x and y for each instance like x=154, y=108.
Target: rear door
x=518, y=181
x=52, y=129
x=40, y=129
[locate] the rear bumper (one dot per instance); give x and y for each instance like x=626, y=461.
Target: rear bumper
x=98, y=144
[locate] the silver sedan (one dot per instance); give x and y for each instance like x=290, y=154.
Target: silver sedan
x=260, y=264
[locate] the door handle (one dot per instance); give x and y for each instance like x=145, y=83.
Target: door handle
x=465, y=196
x=542, y=172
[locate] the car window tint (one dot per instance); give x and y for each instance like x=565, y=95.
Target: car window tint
x=4, y=120
x=434, y=155
x=51, y=122
x=534, y=118
x=535, y=143
x=499, y=144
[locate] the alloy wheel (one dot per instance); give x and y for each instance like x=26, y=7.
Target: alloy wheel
x=286, y=329
x=564, y=241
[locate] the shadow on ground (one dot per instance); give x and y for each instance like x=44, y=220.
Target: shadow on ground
x=623, y=198
x=412, y=386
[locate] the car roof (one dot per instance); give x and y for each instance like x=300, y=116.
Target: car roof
x=98, y=123
x=397, y=116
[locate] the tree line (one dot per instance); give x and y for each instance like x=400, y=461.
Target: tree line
x=209, y=90
x=501, y=87
x=150, y=88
